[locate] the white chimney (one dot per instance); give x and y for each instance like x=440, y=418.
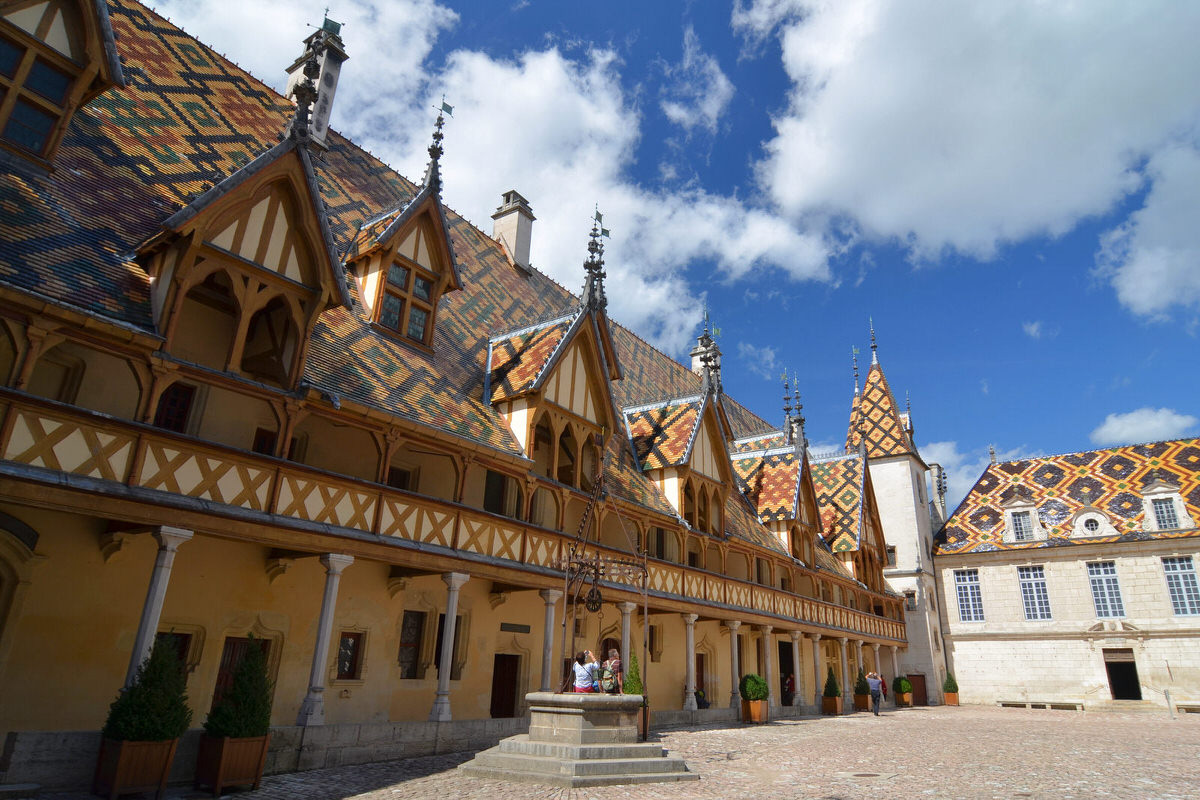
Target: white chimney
x=513, y=226
x=328, y=40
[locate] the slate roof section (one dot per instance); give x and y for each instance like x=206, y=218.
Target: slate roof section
x=662, y=433
x=877, y=414
x=1110, y=480
x=839, y=482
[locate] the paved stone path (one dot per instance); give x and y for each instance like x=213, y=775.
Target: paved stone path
x=968, y=752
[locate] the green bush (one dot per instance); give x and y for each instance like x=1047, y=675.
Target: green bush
x=244, y=710
x=831, y=685
x=154, y=707
x=861, y=686
x=633, y=678
x=950, y=685
x=753, y=687
x=901, y=685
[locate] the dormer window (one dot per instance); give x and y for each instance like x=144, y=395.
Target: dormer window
x=35, y=86
x=407, y=302
x=1022, y=528
x=1092, y=522
x=1164, y=513
x=1164, y=509
x=1021, y=521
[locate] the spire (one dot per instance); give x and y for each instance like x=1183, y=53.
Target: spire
x=706, y=356
x=874, y=344
x=305, y=92
x=593, y=297
x=992, y=453
x=787, y=408
x=854, y=359
x=313, y=80
x=433, y=175
x=800, y=439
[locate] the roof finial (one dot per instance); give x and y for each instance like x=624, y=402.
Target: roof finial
x=874, y=344
x=802, y=439
x=854, y=359
x=992, y=453
x=305, y=93
x=433, y=175
x=593, y=297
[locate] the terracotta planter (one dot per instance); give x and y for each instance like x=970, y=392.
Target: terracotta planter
x=127, y=767
x=831, y=705
x=951, y=698
x=903, y=699
x=754, y=711
x=862, y=702
x=230, y=762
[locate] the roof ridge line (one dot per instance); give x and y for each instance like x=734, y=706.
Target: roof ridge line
x=672, y=401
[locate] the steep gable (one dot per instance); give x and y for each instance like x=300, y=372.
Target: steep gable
x=875, y=419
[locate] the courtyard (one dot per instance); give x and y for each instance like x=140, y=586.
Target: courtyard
x=966, y=752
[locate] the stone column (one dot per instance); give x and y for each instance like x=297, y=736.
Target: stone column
x=847, y=690
x=312, y=710
x=734, y=665
x=818, y=675
x=689, y=672
x=626, y=610
x=551, y=596
x=797, y=676
x=441, y=702
x=858, y=648
x=770, y=653
x=169, y=540
x=875, y=663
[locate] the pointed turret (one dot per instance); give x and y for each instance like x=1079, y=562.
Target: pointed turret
x=433, y=175
x=593, y=297
x=875, y=418
x=706, y=356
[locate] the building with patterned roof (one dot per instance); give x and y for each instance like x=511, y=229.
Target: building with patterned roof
x=882, y=435
x=1071, y=579
x=259, y=390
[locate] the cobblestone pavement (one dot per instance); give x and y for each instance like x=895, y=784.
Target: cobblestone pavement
x=967, y=752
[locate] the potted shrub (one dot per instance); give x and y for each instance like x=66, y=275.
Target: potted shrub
x=950, y=690
x=633, y=685
x=902, y=689
x=831, y=698
x=233, y=750
x=143, y=728
x=754, y=691
x=862, y=692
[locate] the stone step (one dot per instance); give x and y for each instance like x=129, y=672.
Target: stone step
x=593, y=766
x=573, y=781
x=522, y=744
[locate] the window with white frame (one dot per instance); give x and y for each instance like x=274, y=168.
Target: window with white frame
x=1165, y=518
x=1181, y=584
x=970, y=600
x=1033, y=592
x=1106, y=591
x=1022, y=527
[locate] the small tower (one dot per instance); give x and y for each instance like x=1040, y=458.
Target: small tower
x=512, y=224
x=325, y=44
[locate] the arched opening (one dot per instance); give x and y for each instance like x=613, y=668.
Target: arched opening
x=695, y=553
x=568, y=450
x=271, y=339
x=208, y=320
x=612, y=533
x=88, y=378
x=717, y=512
x=804, y=586
x=543, y=447
x=689, y=504
x=702, y=518
x=8, y=355
x=762, y=572
x=574, y=515
x=337, y=447
x=737, y=565
x=543, y=510
x=712, y=559
x=587, y=470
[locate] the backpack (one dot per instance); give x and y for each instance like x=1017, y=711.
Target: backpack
x=608, y=679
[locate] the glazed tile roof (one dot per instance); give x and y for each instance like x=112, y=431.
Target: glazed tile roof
x=185, y=121
x=741, y=523
x=662, y=434
x=839, y=483
x=772, y=481
x=877, y=414
x=520, y=358
x=762, y=441
x=1109, y=480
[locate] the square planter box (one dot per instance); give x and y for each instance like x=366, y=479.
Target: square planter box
x=831, y=705
x=951, y=698
x=862, y=702
x=128, y=767
x=230, y=762
x=754, y=711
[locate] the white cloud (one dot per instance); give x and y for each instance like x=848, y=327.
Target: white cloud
x=698, y=91
x=963, y=126
x=1152, y=258
x=1032, y=329
x=559, y=128
x=963, y=469
x=1144, y=425
x=759, y=360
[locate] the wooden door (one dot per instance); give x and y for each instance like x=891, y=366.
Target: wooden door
x=505, y=673
x=231, y=656
x=700, y=674
x=920, y=696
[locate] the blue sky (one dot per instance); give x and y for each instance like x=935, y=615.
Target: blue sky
x=1008, y=190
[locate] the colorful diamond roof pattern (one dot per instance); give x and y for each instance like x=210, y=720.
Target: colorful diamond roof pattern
x=662, y=434
x=876, y=414
x=1110, y=481
x=772, y=482
x=762, y=441
x=519, y=359
x=839, y=483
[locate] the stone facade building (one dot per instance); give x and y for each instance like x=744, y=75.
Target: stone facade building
x=252, y=381
x=1071, y=580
